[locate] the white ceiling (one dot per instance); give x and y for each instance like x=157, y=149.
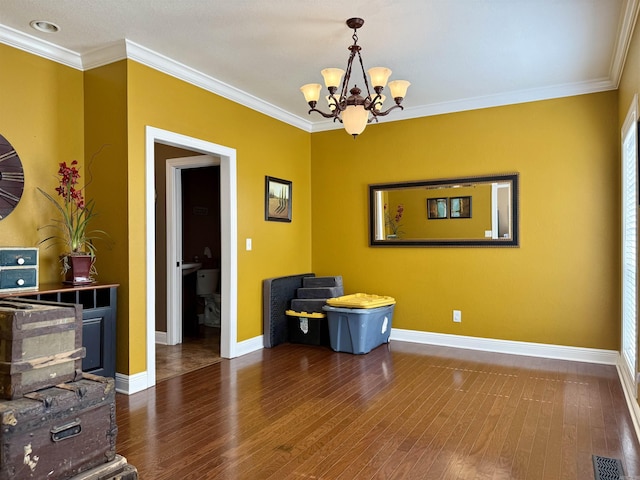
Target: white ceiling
x=457, y=54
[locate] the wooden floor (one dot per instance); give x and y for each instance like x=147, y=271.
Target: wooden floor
x=403, y=411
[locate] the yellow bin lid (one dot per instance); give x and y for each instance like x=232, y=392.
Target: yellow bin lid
x=293, y=313
x=361, y=300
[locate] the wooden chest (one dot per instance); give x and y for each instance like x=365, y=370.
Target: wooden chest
x=40, y=345
x=117, y=469
x=58, y=432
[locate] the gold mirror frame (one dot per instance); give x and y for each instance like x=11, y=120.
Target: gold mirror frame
x=479, y=211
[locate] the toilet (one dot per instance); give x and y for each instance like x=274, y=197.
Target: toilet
x=207, y=289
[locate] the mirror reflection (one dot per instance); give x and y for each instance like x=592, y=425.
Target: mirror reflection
x=467, y=211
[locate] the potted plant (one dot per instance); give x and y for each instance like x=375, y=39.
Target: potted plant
x=72, y=229
x=393, y=222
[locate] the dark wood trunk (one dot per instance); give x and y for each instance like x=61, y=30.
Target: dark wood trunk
x=58, y=432
x=40, y=345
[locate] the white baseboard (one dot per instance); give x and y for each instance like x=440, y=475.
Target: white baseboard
x=251, y=345
x=577, y=354
x=161, y=338
x=138, y=382
x=630, y=396
x=130, y=384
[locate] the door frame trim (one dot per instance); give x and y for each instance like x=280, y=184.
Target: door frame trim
x=229, y=238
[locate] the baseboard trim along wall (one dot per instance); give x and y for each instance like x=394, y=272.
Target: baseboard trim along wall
x=161, y=338
x=137, y=382
x=247, y=346
x=576, y=354
x=130, y=384
x=630, y=396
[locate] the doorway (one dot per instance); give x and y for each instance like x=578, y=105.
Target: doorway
x=188, y=307
x=228, y=222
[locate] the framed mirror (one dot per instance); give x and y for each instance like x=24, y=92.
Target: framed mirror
x=479, y=211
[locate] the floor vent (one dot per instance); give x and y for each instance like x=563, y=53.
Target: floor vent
x=607, y=468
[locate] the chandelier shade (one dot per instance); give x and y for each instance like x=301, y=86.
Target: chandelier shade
x=311, y=92
x=379, y=76
x=398, y=88
x=355, y=119
x=348, y=106
x=332, y=76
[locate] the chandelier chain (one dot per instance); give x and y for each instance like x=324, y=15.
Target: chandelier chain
x=364, y=76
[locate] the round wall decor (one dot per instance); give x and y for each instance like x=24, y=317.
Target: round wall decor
x=11, y=178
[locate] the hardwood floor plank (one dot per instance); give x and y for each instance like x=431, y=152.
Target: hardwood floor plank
x=402, y=411
x=504, y=411
x=333, y=450
x=405, y=438
x=467, y=427
x=553, y=448
x=474, y=441
x=506, y=462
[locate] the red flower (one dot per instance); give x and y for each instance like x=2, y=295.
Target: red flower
x=394, y=223
x=75, y=212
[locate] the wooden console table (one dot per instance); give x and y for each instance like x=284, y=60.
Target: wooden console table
x=99, y=302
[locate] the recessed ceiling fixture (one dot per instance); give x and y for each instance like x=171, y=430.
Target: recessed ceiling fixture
x=354, y=110
x=44, y=26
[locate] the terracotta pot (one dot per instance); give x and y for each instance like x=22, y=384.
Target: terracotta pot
x=79, y=271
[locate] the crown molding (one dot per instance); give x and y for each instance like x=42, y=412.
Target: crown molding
x=178, y=70
x=104, y=55
x=39, y=47
x=489, y=101
x=625, y=33
x=128, y=49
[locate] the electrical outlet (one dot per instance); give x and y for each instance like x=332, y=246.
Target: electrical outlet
x=457, y=316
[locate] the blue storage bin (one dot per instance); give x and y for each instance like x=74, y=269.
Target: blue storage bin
x=358, y=330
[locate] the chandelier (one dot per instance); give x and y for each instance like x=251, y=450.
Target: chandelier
x=355, y=111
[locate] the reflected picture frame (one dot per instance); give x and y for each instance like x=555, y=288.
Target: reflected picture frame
x=437, y=208
x=277, y=201
x=460, y=207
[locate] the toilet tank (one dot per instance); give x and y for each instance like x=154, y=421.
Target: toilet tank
x=207, y=281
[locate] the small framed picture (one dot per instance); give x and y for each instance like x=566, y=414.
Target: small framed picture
x=460, y=207
x=277, y=202
x=436, y=208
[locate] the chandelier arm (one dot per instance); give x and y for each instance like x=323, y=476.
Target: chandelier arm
x=340, y=105
x=386, y=112
x=325, y=115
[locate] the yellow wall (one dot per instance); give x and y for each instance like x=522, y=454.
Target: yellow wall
x=264, y=146
x=48, y=104
x=106, y=141
x=42, y=117
x=559, y=287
